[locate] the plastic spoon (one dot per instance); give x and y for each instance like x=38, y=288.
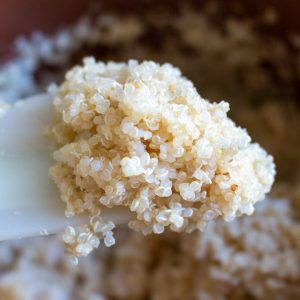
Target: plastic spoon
x=29, y=201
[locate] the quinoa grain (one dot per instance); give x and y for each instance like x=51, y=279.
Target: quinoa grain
x=139, y=135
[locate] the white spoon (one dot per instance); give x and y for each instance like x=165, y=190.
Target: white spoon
x=29, y=201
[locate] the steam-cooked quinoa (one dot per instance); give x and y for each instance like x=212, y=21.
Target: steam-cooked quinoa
x=140, y=136
x=224, y=59
x=224, y=262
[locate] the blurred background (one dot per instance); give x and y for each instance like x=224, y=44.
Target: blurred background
x=244, y=52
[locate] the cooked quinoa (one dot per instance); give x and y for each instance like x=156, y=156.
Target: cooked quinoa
x=255, y=257
x=139, y=135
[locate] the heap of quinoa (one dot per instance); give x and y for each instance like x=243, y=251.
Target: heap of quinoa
x=253, y=257
x=141, y=137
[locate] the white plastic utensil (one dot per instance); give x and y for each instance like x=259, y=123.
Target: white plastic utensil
x=29, y=201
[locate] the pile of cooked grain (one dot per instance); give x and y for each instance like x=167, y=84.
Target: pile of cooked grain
x=256, y=257
x=140, y=136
